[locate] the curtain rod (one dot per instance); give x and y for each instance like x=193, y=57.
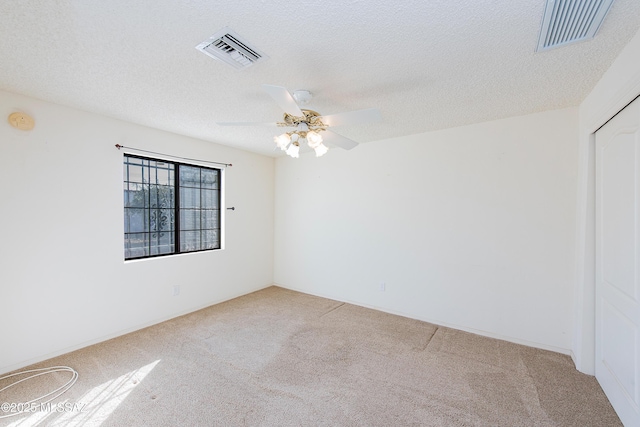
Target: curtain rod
x=118, y=146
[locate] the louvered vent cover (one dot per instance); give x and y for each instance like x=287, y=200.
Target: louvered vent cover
x=569, y=21
x=229, y=47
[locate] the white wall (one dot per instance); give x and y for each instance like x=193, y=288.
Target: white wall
x=63, y=281
x=471, y=227
x=619, y=86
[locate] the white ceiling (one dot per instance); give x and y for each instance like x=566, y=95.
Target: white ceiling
x=425, y=64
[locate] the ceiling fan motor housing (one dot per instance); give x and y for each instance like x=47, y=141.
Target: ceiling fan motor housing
x=302, y=97
x=311, y=119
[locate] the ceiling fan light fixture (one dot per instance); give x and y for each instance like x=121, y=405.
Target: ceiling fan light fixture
x=321, y=150
x=282, y=141
x=314, y=139
x=308, y=125
x=293, y=150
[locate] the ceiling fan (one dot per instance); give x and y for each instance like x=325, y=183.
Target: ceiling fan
x=308, y=126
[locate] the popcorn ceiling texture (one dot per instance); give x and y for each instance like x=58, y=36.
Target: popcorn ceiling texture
x=425, y=65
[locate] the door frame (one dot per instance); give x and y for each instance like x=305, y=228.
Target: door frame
x=583, y=350
x=616, y=304
x=618, y=87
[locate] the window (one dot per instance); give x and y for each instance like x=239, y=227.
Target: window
x=169, y=208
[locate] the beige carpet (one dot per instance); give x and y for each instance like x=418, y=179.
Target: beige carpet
x=282, y=358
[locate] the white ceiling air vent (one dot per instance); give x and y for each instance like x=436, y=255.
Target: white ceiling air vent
x=570, y=21
x=229, y=47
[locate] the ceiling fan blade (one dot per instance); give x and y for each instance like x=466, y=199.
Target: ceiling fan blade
x=352, y=117
x=333, y=138
x=284, y=99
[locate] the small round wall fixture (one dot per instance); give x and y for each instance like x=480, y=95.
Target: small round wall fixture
x=21, y=121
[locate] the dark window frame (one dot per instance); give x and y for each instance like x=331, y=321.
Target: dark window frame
x=208, y=208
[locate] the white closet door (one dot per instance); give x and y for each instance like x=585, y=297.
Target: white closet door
x=617, y=262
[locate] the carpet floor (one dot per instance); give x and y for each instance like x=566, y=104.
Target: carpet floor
x=282, y=358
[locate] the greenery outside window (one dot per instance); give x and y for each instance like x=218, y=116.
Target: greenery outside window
x=169, y=207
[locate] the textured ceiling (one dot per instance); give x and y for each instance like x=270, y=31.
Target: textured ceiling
x=425, y=64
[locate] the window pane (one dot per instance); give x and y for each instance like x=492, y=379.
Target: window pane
x=210, y=218
x=165, y=243
x=134, y=195
x=189, y=219
x=127, y=221
x=209, y=198
x=189, y=241
x=160, y=220
x=133, y=160
x=189, y=197
x=209, y=178
x=160, y=196
x=135, y=174
x=164, y=174
x=135, y=245
x=169, y=223
x=199, y=208
x=135, y=220
x=210, y=239
x=149, y=207
x=161, y=243
x=189, y=176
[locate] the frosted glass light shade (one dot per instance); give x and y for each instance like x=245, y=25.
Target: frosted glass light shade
x=314, y=139
x=321, y=150
x=282, y=141
x=293, y=151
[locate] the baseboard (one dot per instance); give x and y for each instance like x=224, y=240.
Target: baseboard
x=439, y=323
x=574, y=358
x=15, y=366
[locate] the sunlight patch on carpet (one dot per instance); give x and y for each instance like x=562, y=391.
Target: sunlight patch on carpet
x=102, y=400
x=96, y=405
